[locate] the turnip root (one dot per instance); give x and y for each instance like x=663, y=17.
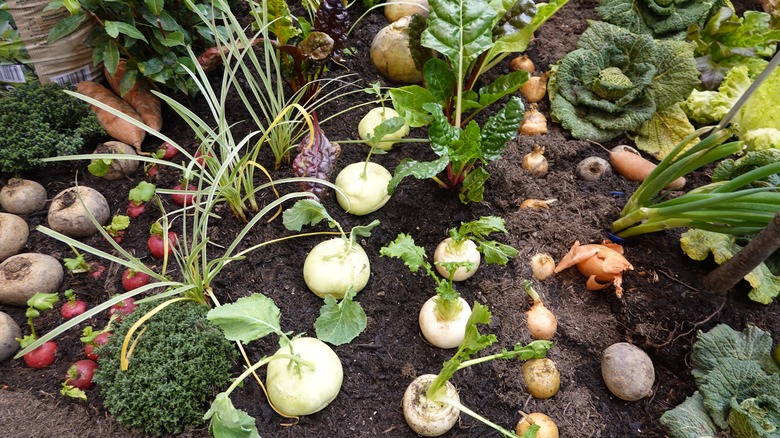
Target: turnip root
x=396, y=9
x=391, y=56
x=443, y=331
x=303, y=390
x=603, y=264
x=425, y=417
x=547, y=427
x=118, y=167
x=542, y=379
x=23, y=275
x=627, y=371
x=22, y=196
x=450, y=251
x=9, y=333
x=334, y=266
x=374, y=118
x=628, y=162
x=364, y=187
x=69, y=212
x=13, y=235
x=541, y=322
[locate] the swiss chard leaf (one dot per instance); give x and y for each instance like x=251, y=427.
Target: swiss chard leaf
x=281, y=21
x=419, y=170
x=502, y=86
x=439, y=80
x=248, y=318
x=500, y=128
x=408, y=101
x=332, y=19
x=473, y=186
x=340, y=321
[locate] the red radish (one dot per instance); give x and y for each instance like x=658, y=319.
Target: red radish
x=99, y=340
x=135, y=209
x=151, y=171
x=42, y=356
x=119, y=237
x=122, y=308
x=184, y=199
x=156, y=244
x=167, y=151
x=133, y=279
x=96, y=269
x=80, y=374
x=71, y=309
x=199, y=157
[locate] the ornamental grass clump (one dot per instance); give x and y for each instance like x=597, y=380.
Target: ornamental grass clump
x=177, y=365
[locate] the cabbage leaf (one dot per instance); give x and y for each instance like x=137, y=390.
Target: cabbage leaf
x=659, y=18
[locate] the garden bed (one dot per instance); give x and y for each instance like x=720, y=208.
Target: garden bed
x=661, y=310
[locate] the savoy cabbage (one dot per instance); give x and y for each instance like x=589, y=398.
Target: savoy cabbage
x=617, y=81
x=739, y=387
x=659, y=18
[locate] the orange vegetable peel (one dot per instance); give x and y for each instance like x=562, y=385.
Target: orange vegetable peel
x=602, y=263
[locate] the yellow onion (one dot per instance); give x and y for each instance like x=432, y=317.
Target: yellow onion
x=535, y=88
x=535, y=162
x=542, y=266
x=534, y=122
x=522, y=62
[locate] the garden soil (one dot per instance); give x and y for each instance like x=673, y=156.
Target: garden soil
x=661, y=311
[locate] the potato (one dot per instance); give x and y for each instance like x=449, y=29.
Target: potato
x=9, y=331
x=22, y=196
x=13, y=235
x=396, y=9
x=627, y=371
x=22, y=275
x=542, y=379
x=119, y=168
x=391, y=56
x=68, y=211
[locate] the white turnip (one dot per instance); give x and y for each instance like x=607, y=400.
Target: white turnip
x=444, y=329
x=424, y=416
x=296, y=389
x=363, y=188
x=69, y=212
x=335, y=266
x=390, y=53
x=13, y=235
x=450, y=250
x=627, y=371
x=374, y=118
x=542, y=379
x=22, y=275
x=22, y=196
x=395, y=9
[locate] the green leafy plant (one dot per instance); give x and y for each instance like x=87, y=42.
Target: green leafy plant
x=661, y=19
x=177, y=364
x=340, y=321
x=472, y=37
x=617, y=81
x=727, y=41
x=39, y=122
x=738, y=387
x=153, y=36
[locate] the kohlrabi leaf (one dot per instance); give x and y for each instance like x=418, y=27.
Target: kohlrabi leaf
x=340, y=321
x=408, y=101
x=473, y=187
x=460, y=30
x=689, y=419
x=419, y=170
x=363, y=230
x=247, y=319
x=304, y=212
x=659, y=135
x=229, y=422
x=676, y=74
x=404, y=248
x=439, y=80
x=500, y=128
x=280, y=21
x=387, y=127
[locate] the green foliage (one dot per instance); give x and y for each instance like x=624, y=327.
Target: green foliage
x=708, y=107
x=728, y=41
x=41, y=122
x=739, y=387
x=152, y=35
x=758, y=122
x=658, y=18
x=477, y=231
x=179, y=362
x=616, y=81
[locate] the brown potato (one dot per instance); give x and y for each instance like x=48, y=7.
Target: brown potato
x=627, y=371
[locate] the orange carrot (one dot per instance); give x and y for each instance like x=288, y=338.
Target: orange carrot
x=628, y=162
x=116, y=127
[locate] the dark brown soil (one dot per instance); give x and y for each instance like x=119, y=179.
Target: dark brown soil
x=663, y=306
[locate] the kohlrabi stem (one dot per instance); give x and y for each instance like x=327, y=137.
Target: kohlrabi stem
x=454, y=403
x=262, y=362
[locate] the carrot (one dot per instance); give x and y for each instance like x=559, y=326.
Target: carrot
x=116, y=127
x=146, y=104
x=628, y=162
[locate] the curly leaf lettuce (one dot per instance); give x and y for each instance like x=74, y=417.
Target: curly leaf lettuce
x=616, y=81
x=710, y=106
x=758, y=121
x=659, y=18
x=698, y=244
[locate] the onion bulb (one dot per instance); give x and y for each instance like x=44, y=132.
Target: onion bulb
x=522, y=62
x=534, y=122
x=542, y=265
x=535, y=88
x=541, y=322
x=535, y=162
x=537, y=204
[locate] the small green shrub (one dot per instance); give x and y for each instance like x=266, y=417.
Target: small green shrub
x=41, y=122
x=178, y=364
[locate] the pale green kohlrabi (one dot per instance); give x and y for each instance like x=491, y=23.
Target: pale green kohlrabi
x=617, y=82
